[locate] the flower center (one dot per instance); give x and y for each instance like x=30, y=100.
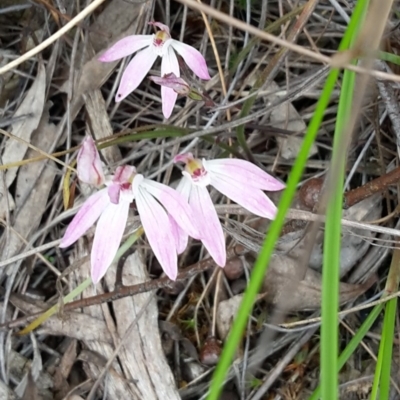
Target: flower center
x=125, y=186
x=195, y=169
x=160, y=38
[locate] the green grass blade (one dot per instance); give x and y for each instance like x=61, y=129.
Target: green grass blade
x=332, y=246
x=381, y=383
x=333, y=228
x=261, y=264
x=387, y=339
x=393, y=58
x=165, y=132
x=353, y=344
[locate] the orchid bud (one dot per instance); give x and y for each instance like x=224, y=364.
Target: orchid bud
x=178, y=85
x=89, y=164
x=173, y=82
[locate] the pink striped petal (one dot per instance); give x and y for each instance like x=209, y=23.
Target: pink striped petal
x=250, y=198
x=243, y=172
x=184, y=187
x=135, y=72
x=160, y=26
x=184, y=158
x=123, y=174
x=114, y=192
x=121, y=179
x=125, y=47
x=86, y=217
x=109, y=231
x=158, y=231
x=89, y=164
x=180, y=236
x=193, y=59
x=208, y=224
x=176, y=205
x=168, y=97
x=169, y=64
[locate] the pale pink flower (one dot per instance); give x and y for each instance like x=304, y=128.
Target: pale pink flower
x=159, y=44
x=157, y=205
x=240, y=180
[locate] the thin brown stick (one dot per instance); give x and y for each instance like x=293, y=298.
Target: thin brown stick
x=370, y=188
x=125, y=291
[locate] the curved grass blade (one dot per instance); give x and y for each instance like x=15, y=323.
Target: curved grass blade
x=332, y=247
x=353, y=344
x=262, y=261
x=381, y=383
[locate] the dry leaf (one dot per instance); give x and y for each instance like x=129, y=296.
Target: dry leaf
x=285, y=116
x=7, y=203
x=226, y=313
x=115, y=21
x=20, y=366
x=31, y=392
x=61, y=385
x=32, y=105
x=8, y=81
x=354, y=244
x=174, y=332
x=32, y=191
x=141, y=370
x=100, y=123
x=6, y=393
x=27, y=383
x=142, y=354
x=305, y=294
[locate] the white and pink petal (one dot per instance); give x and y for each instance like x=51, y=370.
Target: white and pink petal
x=87, y=215
x=180, y=236
x=109, y=231
x=125, y=47
x=169, y=64
x=193, y=58
x=114, y=192
x=175, y=204
x=156, y=225
x=135, y=72
x=244, y=172
x=160, y=26
x=251, y=199
x=207, y=221
x=123, y=174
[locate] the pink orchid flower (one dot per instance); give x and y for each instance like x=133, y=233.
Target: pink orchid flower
x=158, y=206
x=159, y=44
x=240, y=180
